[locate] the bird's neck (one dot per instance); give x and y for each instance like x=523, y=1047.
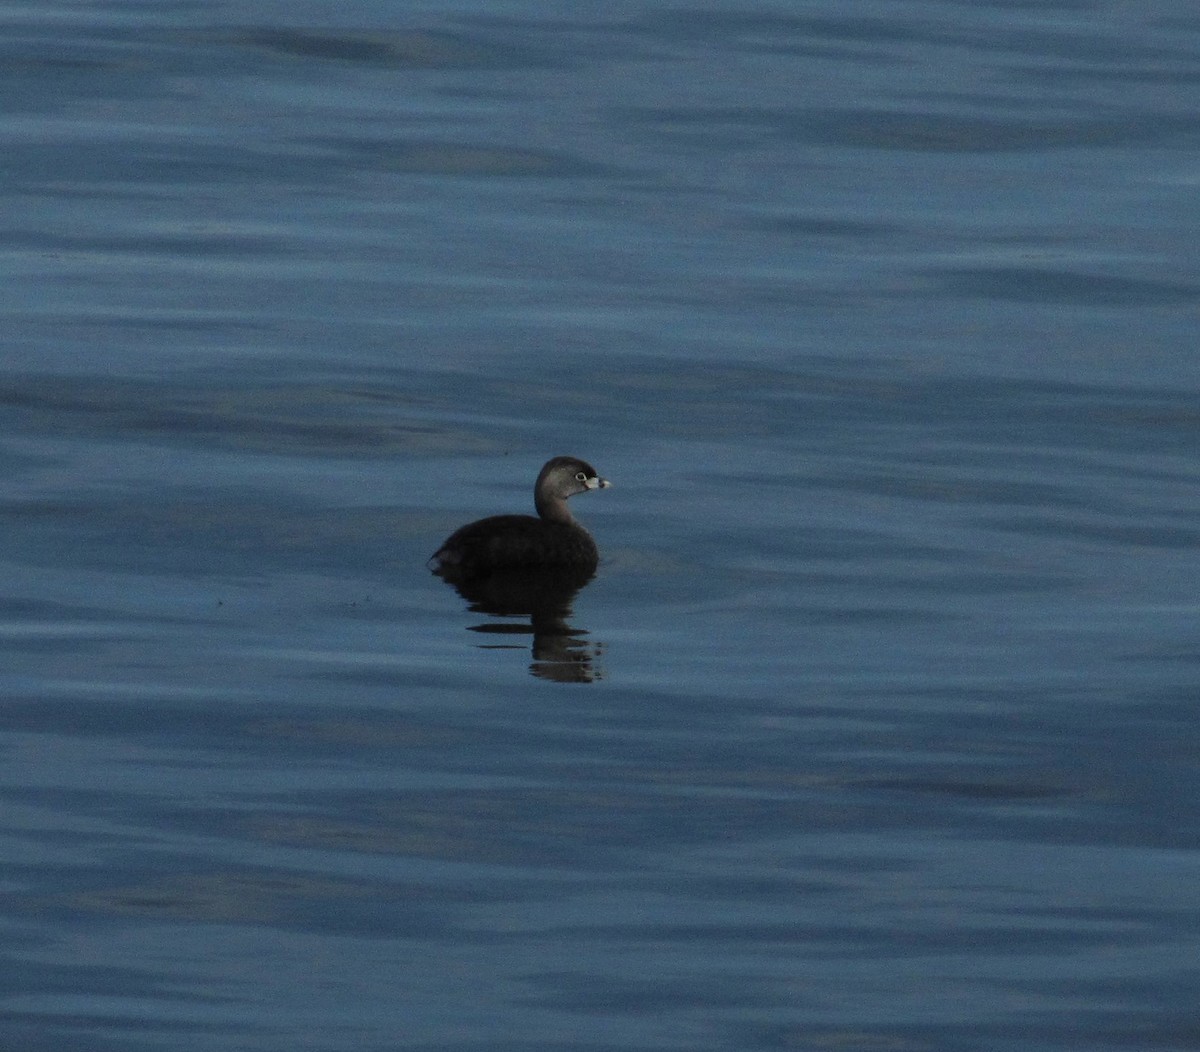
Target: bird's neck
x=553, y=509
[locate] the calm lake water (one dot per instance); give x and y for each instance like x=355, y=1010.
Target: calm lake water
x=876, y=729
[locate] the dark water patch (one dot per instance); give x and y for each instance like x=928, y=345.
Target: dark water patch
x=692, y=32
x=604, y=994
x=769, y=31
x=892, y=38
x=1100, y=45
x=349, y=733
x=817, y=543
x=1154, y=1023
x=1182, y=22
x=862, y=1037
x=465, y=159
x=1161, y=1027
x=819, y=226
x=278, y=418
x=421, y=49
x=33, y=1031
x=198, y=240
x=35, y=613
x=72, y=57
x=60, y=1030
x=691, y=24
x=1036, y=285
x=849, y=616
x=50, y=629
x=957, y=788
x=560, y=1043
x=919, y=132
x=273, y=899
x=1002, y=935
x=106, y=169
x=527, y=827
x=441, y=835
x=409, y=411
x=100, y=1031
x=1178, y=71
x=943, y=488
x=913, y=581
x=21, y=975
x=172, y=718
x=230, y=538
x=980, y=419
x=1037, y=6
x=777, y=889
x=52, y=640
x=309, y=893
x=57, y=66
x=161, y=49
x=382, y=675
x=1114, y=535
x=1185, y=656
x=216, y=898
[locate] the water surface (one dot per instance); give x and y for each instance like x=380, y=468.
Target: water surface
x=875, y=729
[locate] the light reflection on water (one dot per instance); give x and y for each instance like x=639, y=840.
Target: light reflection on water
x=881, y=726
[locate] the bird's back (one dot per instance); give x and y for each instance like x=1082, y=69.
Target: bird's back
x=515, y=541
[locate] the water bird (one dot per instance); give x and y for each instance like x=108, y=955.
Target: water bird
x=550, y=540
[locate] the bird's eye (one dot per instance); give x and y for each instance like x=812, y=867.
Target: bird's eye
x=581, y=476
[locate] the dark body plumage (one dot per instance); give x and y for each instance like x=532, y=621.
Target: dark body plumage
x=515, y=541
x=524, y=542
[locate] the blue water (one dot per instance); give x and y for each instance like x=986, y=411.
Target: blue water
x=876, y=729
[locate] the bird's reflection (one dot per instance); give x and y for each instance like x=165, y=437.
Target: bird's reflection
x=544, y=596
